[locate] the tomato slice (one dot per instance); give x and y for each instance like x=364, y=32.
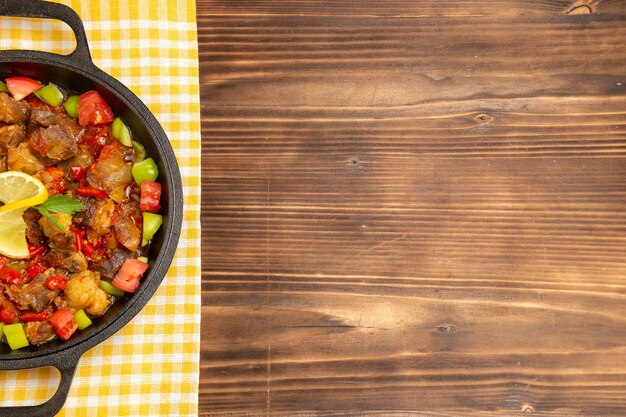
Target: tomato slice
x=63, y=323
x=93, y=110
x=127, y=278
x=21, y=87
x=150, y=196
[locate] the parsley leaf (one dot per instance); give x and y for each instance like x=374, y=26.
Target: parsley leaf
x=61, y=203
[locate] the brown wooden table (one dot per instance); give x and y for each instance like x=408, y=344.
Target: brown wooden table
x=413, y=208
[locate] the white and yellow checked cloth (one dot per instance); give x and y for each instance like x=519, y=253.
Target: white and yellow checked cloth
x=151, y=366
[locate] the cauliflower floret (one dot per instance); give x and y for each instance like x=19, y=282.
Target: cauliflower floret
x=100, y=303
x=81, y=289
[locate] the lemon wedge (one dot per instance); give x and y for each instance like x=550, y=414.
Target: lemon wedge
x=20, y=190
x=13, y=234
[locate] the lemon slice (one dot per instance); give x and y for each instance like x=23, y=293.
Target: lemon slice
x=20, y=190
x=13, y=234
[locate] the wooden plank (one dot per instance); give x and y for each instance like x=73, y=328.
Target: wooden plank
x=413, y=215
x=410, y=9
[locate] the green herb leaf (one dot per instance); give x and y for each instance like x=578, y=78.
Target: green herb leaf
x=52, y=219
x=61, y=203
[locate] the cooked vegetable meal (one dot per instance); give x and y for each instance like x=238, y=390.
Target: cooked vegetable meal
x=79, y=204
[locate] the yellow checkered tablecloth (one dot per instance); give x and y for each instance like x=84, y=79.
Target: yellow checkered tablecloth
x=151, y=366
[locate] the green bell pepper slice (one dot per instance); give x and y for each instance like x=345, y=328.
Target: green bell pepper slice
x=151, y=223
x=3, y=87
x=50, y=94
x=81, y=318
x=110, y=289
x=71, y=106
x=120, y=132
x=145, y=170
x=15, y=336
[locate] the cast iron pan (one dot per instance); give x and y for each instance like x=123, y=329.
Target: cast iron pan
x=77, y=72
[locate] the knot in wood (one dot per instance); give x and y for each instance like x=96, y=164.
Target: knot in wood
x=528, y=409
x=446, y=329
x=483, y=118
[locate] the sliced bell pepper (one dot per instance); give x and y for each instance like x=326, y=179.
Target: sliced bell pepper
x=35, y=269
x=15, y=335
x=9, y=275
x=71, y=106
x=77, y=172
x=145, y=170
x=7, y=316
x=151, y=223
x=56, y=282
x=3, y=89
x=35, y=251
x=120, y=132
x=82, y=320
x=110, y=289
x=34, y=316
x=92, y=192
x=50, y=94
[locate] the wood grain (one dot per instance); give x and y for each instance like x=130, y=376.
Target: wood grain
x=413, y=208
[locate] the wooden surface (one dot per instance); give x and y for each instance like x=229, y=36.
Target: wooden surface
x=413, y=208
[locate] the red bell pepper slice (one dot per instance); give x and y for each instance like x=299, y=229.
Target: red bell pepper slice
x=57, y=282
x=35, y=269
x=63, y=323
x=36, y=250
x=92, y=192
x=21, y=87
x=7, y=316
x=150, y=196
x=77, y=172
x=9, y=275
x=127, y=278
x=34, y=316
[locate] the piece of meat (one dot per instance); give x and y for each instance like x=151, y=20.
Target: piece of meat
x=11, y=135
x=127, y=232
x=3, y=162
x=12, y=111
x=23, y=158
x=68, y=260
x=85, y=216
x=108, y=269
x=34, y=232
x=58, y=239
x=55, y=143
x=42, y=115
x=83, y=159
x=112, y=169
x=34, y=295
x=39, y=332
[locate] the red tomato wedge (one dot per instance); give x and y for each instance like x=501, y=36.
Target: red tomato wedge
x=127, y=278
x=150, y=196
x=21, y=87
x=63, y=323
x=93, y=110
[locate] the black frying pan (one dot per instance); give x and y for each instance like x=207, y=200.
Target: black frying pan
x=77, y=72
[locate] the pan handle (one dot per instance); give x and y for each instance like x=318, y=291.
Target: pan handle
x=66, y=364
x=47, y=10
